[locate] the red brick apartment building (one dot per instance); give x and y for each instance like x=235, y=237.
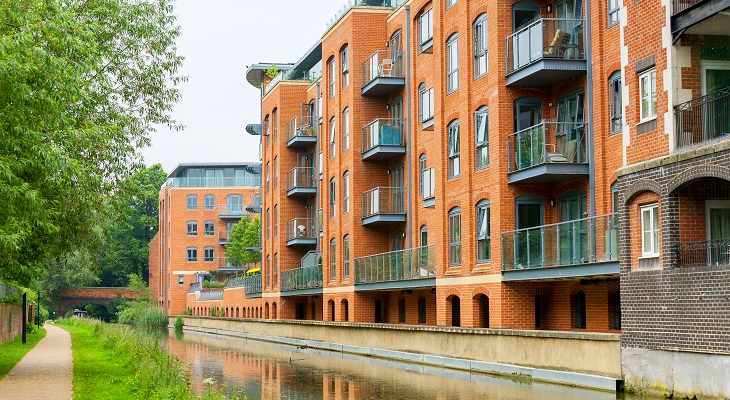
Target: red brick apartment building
x=198, y=204
x=530, y=165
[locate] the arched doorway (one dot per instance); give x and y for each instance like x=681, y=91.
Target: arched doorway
x=455, y=311
x=482, y=307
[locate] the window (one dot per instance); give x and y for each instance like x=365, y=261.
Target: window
x=613, y=9
x=209, y=228
x=650, y=230
x=192, y=228
x=481, y=124
x=455, y=236
x=234, y=204
x=426, y=97
x=345, y=68
x=267, y=271
x=276, y=172
x=332, y=137
x=333, y=199
x=346, y=192
x=208, y=254
x=209, y=202
x=421, y=167
x=333, y=260
x=616, y=108
x=267, y=130
x=276, y=220
x=346, y=257
x=647, y=93
x=276, y=269
x=454, y=150
x=268, y=175
x=331, y=72
x=268, y=223
x=192, y=254
x=181, y=279
x=274, y=123
x=480, y=46
x=483, y=231
x=319, y=108
x=450, y=3
x=452, y=63
x=192, y=202
x=346, y=129
x=425, y=30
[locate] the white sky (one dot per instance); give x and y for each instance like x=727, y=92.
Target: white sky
x=219, y=38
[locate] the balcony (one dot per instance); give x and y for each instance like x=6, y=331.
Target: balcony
x=400, y=269
x=195, y=287
x=705, y=14
x=301, y=232
x=300, y=132
x=302, y=280
x=300, y=182
x=210, y=294
x=584, y=247
x=383, y=205
x=546, y=52
x=231, y=211
x=382, y=73
x=382, y=139
x=310, y=75
x=361, y=3
x=224, y=265
x=703, y=119
x=530, y=159
x=223, y=235
x=196, y=181
x=703, y=254
x=252, y=286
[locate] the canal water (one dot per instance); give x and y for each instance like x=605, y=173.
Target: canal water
x=268, y=371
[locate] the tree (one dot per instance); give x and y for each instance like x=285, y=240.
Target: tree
x=246, y=233
x=82, y=84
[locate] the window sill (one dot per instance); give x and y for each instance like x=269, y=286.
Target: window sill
x=428, y=124
x=427, y=46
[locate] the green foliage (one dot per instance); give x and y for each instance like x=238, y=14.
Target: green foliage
x=187, y=311
x=179, y=324
x=271, y=72
x=82, y=86
x=209, y=284
x=142, y=311
x=246, y=233
x=14, y=350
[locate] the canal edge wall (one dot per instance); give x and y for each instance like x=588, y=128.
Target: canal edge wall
x=590, y=360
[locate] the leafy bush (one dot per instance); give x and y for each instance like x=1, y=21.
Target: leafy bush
x=179, y=324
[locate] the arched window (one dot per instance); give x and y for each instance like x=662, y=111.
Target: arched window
x=333, y=260
x=209, y=228
x=615, y=102
x=346, y=129
x=192, y=202
x=331, y=73
x=481, y=141
x=346, y=257
x=192, y=228
x=483, y=229
x=452, y=63
x=344, y=61
x=333, y=131
x=209, y=202
x=426, y=108
x=346, y=192
x=455, y=236
x=454, y=148
x=480, y=46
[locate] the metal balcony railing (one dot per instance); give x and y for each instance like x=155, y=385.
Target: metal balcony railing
x=252, y=284
x=400, y=265
x=680, y=5
x=703, y=253
x=237, y=281
x=302, y=125
x=383, y=200
x=382, y=131
x=308, y=277
x=300, y=228
x=300, y=177
x=194, y=287
x=211, y=294
x=545, y=38
x=529, y=147
x=586, y=240
x=382, y=64
x=703, y=119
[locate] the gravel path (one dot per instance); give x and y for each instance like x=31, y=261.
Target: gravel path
x=45, y=373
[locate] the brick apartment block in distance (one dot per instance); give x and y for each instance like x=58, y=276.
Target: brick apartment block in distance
x=198, y=205
x=525, y=165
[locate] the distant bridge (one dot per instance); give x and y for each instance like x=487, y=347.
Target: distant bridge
x=76, y=297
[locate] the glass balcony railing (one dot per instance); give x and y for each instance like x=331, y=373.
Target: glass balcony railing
x=545, y=38
x=300, y=177
x=581, y=241
x=300, y=126
x=235, y=209
x=308, y=277
x=382, y=64
x=383, y=200
x=401, y=265
x=703, y=119
x=252, y=284
x=529, y=147
x=238, y=181
x=360, y=3
x=300, y=228
x=382, y=132
x=293, y=75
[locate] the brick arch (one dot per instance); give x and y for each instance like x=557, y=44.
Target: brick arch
x=698, y=172
x=450, y=31
x=477, y=12
x=452, y=204
x=570, y=186
x=483, y=195
x=536, y=191
x=453, y=116
x=479, y=290
x=420, y=11
x=642, y=185
x=520, y=93
x=452, y=292
x=396, y=28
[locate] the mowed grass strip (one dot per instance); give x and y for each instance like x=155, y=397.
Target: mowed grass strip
x=13, y=351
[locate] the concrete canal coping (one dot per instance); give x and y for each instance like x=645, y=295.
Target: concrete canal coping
x=584, y=359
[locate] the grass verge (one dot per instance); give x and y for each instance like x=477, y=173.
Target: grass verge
x=13, y=351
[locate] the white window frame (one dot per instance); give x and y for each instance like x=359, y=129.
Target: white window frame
x=454, y=150
x=647, y=81
x=455, y=253
x=481, y=137
x=614, y=6
x=345, y=67
x=615, y=100
x=333, y=132
x=331, y=71
x=450, y=3
x=481, y=66
x=426, y=103
x=452, y=63
x=180, y=279
x=425, y=30
x=483, y=229
x=346, y=193
x=346, y=129
x=650, y=238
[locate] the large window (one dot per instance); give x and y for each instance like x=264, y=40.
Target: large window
x=192, y=202
x=275, y=123
x=276, y=269
x=209, y=228
x=480, y=46
x=268, y=175
x=481, y=126
x=450, y=3
x=333, y=260
x=452, y=63
x=614, y=98
x=333, y=199
x=425, y=30
x=650, y=230
x=192, y=228
x=483, y=231
x=208, y=254
x=426, y=100
x=209, y=202
x=332, y=137
x=275, y=220
x=454, y=150
x=455, y=236
x=276, y=172
x=192, y=254
x=346, y=257
x=331, y=73
x=345, y=67
x=346, y=129
x=346, y=192
x=647, y=94
x=613, y=9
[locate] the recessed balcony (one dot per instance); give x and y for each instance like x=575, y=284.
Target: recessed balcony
x=704, y=119
x=300, y=132
x=409, y=268
x=300, y=182
x=382, y=73
x=546, y=52
x=382, y=139
x=531, y=159
x=300, y=232
x=383, y=206
x=586, y=247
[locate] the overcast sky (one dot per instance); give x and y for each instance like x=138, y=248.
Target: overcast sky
x=219, y=38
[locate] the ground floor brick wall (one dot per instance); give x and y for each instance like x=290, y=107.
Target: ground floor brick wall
x=11, y=322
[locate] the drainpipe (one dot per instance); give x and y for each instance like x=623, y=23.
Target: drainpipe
x=408, y=126
x=315, y=173
x=589, y=125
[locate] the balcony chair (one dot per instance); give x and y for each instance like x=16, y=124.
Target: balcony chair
x=554, y=156
x=386, y=67
x=559, y=45
x=301, y=230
